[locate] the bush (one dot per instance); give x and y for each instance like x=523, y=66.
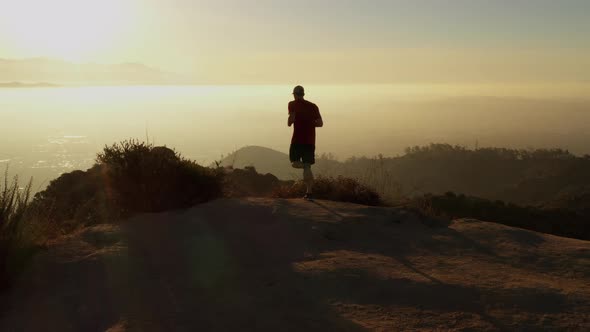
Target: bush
x=77, y=198
x=129, y=177
x=553, y=221
x=247, y=182
x=151, y=179
x=336, y=189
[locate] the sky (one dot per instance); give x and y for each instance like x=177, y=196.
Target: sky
x=321, y=41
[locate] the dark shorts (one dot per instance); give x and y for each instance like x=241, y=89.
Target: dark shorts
x=304, y=153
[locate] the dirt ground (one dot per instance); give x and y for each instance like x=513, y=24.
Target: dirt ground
x=291, y=265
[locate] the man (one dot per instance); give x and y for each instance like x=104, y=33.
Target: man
x=306, y=117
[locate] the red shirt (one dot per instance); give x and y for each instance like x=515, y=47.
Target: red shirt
x=306, y=114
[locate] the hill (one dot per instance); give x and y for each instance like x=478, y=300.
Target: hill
x=267, y=265
x=28, y=85
x=265, y=160
x=554, y=178
x=64, y=72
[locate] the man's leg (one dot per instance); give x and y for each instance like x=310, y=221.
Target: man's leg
x=297, y=164
x=295, y=156
x=308, y=160
x=308, y=178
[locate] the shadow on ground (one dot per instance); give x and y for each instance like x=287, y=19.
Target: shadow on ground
x=268, y=265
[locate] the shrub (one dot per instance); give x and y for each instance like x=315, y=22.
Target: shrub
x=248, y=182
x=553, y=221
x=77, y=198
x=129, y=177
x=151, y=179
x=336, y=189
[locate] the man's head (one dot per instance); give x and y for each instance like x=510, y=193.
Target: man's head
x=298, y=92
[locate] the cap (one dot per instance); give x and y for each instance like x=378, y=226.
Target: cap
x=298, y=90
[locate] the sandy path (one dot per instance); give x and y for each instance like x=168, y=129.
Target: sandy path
x=288, y=265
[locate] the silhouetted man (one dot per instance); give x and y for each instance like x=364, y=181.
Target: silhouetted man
x=306, y=117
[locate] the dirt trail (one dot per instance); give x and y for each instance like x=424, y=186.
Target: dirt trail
x=289, y=265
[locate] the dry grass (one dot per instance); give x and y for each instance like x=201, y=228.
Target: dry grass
x=17, y=235
x=339, y=189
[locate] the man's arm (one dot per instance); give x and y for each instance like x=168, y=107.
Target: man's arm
x=291, y=118
x=319, y=122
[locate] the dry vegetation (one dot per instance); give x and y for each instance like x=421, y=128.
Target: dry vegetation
x=16, y=235
x=129, y=177
x=339, y=189
x=551, y=221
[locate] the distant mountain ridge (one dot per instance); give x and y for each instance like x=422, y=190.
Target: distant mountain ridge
x=546, y=178
x=28, y=85
x=62, y=72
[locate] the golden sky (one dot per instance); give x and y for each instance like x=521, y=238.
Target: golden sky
x=279, y=41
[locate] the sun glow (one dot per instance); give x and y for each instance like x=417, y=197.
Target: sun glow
x=68, y=29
